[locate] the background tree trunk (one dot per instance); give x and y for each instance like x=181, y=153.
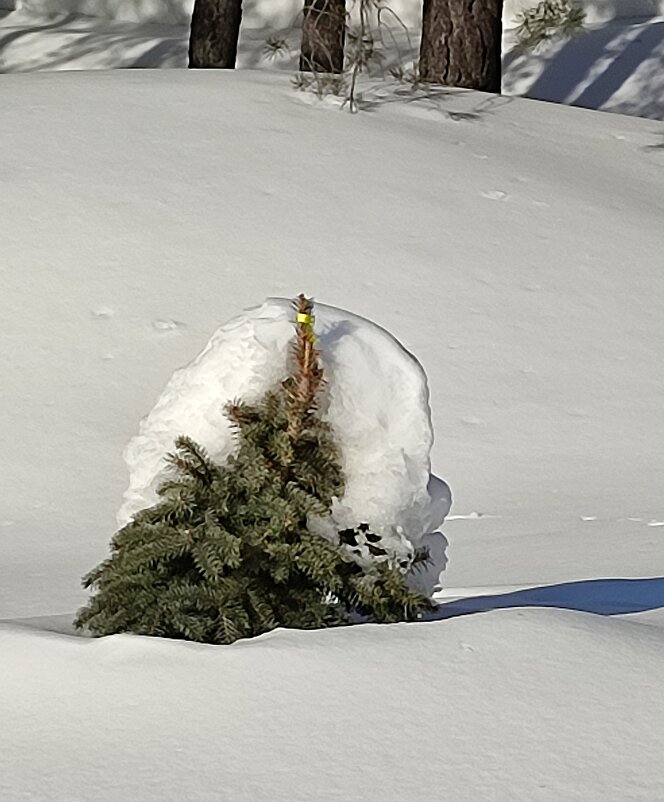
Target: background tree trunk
x=215, y=29
x=461, y=43
x=323, y=36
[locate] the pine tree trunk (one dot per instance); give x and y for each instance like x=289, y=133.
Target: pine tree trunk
x=215, y=30
x=323, y=36
x=461, y=43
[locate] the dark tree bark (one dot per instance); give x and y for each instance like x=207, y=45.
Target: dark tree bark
x=461, y=43
x=215, y=30
x=323, y=36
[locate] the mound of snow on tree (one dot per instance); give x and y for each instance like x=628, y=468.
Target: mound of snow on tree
x=376, y=399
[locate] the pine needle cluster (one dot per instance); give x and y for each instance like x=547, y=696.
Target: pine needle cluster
x=226, y=553
x=547, y=21
x=366, y=42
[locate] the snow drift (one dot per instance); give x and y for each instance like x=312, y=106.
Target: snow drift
x=516, y=248
x=510, y=706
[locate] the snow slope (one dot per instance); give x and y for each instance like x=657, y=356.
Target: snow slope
x=516, y=248
x=513, y=706
x=280, y=13
x=617, y=66
x=614, y=66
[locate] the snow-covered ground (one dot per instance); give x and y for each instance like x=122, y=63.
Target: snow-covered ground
x=515, y=248
x=618, y=65
x=515, y=706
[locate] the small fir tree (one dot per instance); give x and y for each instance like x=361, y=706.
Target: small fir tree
x=226, y=553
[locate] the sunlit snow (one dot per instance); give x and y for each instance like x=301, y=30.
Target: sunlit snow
x=515, y=248
x=616, y=65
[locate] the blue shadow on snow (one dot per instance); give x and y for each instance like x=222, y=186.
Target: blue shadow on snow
x=600, y=596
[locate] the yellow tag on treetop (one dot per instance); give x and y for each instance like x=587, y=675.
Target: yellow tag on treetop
x=302, y=317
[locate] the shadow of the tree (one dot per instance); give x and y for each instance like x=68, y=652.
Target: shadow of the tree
x=431, y=97
x=590, y=69
x=72, y=41
x=657, y=145
x=599, y=596
x=18, y=33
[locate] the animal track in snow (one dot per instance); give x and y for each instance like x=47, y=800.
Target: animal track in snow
x=166, y=324
x=496, y=194
x=102, y=313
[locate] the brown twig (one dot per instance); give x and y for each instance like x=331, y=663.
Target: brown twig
x=303, y=386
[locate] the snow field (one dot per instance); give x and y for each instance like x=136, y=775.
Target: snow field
x=512, y=706
x=515, y=247
x=616, y=66
x=539, y=329
x=281, y=13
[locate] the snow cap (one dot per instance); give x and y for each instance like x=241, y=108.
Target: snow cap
x=376, y=399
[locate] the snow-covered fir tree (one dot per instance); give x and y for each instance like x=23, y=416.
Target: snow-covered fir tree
x=227, y=551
